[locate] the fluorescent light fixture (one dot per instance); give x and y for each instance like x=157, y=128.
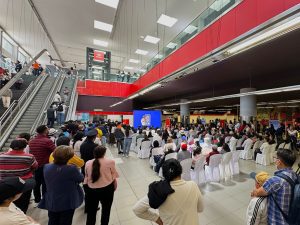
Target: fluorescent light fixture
x=190, y=29
x=103, y=26
x=171, y=45
x=118, y=103
x=110, y=3
x=273, y=33
x=141, y=52
x=100, y=43
x=151, y=39
x=133, y=96
x=167, y=20
x=158, y=56
x=134, y=61
x=219, y=4
x=142, y=70
x=128, y=68
x=149, y=89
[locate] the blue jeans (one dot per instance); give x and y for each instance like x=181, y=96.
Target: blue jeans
x=127, y=143
x=103, y=140
x=60, y=118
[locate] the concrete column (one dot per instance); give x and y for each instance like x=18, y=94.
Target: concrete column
x=184, y=112
x=247, y=105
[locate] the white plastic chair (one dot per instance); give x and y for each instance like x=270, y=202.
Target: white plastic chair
x=212, y=172
x=225, y=166
x=235, y=162
x=264, y=158
x=198, y=174
x=186, y=169
x=144, y=152
x=272, y=153
x=169, y=156
x=239, y=142
x=133, y=142
x=232, y=144
x=152, y=162
x=138, y=145
x=247, y=153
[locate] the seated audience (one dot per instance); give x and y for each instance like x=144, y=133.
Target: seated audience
x=225, y=148
x=183, y=153
x=213, y=152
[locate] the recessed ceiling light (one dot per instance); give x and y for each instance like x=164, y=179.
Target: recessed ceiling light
x=103, y=26
x=110, y=3
x=158, y=56
x=134, y=61
x=128, y=68
x=151, y=39
x=166, y=20
x=190, y=29
x=171, y=45
x=100, y=43
x=141, y=52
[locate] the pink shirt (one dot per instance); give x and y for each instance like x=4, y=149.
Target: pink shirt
x=108, y=173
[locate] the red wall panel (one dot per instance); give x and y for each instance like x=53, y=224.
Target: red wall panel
x=244, y=17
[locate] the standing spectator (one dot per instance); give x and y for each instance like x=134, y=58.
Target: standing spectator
x=19, y=83
x=17, y=163
x=11, y=189
x=6, y=97
x=63, y=193
x=40, y=69
x=278, y=188
x=50, y=116
x=57, y=98
x=41, y=147
x=35, y=68
x=101, y=180
x=66, y=93
x=18, y=66
x=119, y=134
x=257, y=208
x=61, y=110
x=127, y=141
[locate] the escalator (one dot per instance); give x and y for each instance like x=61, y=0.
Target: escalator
x=30, y=113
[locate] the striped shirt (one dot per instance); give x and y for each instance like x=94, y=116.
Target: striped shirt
x=17, y=164
x=282, y=193
x=41, y=147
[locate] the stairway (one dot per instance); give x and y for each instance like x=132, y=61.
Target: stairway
x=17, y=93
x=32, y=112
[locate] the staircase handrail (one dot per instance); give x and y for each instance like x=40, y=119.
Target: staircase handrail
x=72, y=101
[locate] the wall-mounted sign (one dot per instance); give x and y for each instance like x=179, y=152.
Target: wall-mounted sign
x=99, y=56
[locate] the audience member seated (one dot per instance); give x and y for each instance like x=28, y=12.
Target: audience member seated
x=156, y=151
x=213, y=152
x=263, y=146
x=169, y=144
x=183, y=153
x=196, y=156
x=225, y=148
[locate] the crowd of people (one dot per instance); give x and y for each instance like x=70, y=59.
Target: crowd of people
x=66, y=168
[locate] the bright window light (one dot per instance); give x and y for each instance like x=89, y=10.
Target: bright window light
x=110, y=3
x=151, y=39
x=134, y=61
x=166, y=20
x=190, y=29
x=141, y=52
x=103, y=26
x=219, y=4
x=288, y=26
x=171, y=45
x=158, y=56
x=100, y=43
x=128, y=68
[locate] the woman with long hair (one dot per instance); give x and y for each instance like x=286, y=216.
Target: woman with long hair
x=127, y=141
x=101, y=180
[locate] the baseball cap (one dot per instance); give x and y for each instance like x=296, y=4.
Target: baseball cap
x=184, y=146
x=260, y=177
x=11, y=186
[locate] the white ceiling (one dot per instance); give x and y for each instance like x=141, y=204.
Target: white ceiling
x=70, y=24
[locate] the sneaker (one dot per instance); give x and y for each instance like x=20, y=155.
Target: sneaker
x=123, y=155
x=127, y=156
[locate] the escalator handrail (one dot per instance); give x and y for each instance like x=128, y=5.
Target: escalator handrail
x=20, y=111
x=72, y=101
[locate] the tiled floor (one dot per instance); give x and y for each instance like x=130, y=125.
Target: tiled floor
x=225, y=203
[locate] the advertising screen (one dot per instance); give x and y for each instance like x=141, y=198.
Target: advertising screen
x=146, y=118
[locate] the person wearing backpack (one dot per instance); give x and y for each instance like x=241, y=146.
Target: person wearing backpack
x=283, y=191
x=61, y=109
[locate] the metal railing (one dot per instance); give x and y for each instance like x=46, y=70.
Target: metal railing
x=41, y=119
x=17, y=104
x=72, y=105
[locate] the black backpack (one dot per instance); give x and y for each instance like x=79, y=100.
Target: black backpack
x=60, y=108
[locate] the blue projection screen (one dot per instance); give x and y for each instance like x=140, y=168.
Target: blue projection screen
x=146, y=118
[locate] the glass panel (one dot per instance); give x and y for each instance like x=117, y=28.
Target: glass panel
x=7, y=46
x=21, y=57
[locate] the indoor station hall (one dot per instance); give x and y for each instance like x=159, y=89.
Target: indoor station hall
x=133, y=112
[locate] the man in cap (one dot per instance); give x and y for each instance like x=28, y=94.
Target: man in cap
x=257, y=208
x=11, y=189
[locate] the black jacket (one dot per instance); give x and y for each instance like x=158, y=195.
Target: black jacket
x=87, y=151
x=158, y=193
x=119, y=134
x=50, y=113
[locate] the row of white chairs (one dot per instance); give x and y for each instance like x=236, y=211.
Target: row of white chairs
x=221, y=167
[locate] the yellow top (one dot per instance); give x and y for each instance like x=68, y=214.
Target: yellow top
x=75, y=160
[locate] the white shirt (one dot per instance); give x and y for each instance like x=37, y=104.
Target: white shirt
x=257, y=215
x=12, y=215
x=57, y=98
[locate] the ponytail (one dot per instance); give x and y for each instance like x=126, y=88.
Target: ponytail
x=99, y=152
